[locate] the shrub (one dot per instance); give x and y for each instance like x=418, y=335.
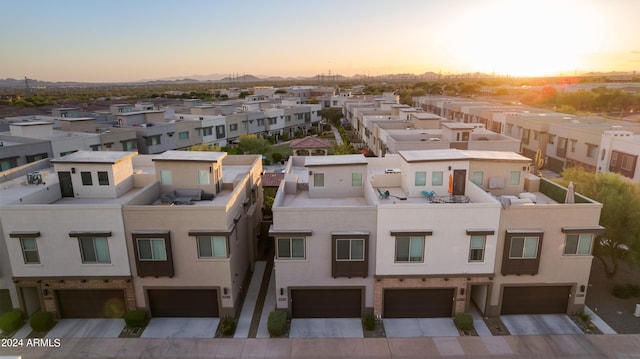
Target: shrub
x=277, y=323
x=464, y=321
x=41, y=321
x=285, y=137
x=136, y=318
x=276, y=156
x=228, y=326
x=585, y=316
x=11, y=321
x=369, y=322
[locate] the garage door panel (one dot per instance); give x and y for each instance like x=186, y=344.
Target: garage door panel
x=91, y=303
x=326, y=303
x=186, y=303
x=418, y=303
x=535, y=300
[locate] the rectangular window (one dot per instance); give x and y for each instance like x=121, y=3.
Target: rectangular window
x=356, y=179
x=203, y=177
x=260, y=122
x=524, y=247
x=38, y=157
x=627, y=162
x=591, y=150
x=86, y=178
x=183, y=135
x=207, y=131
x=94, y=250
x=476, y=248
x=514, y=178
x=291, y=248
x=7, y=163
x=97, y=147
x=287, y=118
x=436, y=178
x=29, y=250
x=318, y=179
x=233, y=127
x=578, y=244
x=152, y=140
x=272, y=120
x=350, y=250
x=573, y=145
x=421, y=178
x=103, y=178
x=477, y=177
x=129, y=145
x=165, y=177
x=220, y=131
x=152, y=249
x=212, y=247
x=409, y=249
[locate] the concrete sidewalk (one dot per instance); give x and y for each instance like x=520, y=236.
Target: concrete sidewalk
x=531, y=346
x=249, y=306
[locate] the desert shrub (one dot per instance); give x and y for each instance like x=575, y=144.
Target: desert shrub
x=464, y=321
x=41, y=321
x=136, y=318
x=228, y=326
x=277, y=323
x=11, y=321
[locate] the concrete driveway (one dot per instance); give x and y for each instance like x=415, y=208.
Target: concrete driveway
x=87, y=328
x=181, y=328
x=326, y=328
x=420, y=327
x=540, y=324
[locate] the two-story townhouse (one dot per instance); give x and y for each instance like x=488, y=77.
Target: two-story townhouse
x=62, y=142
x=324, y=224
x=16, y=151
x=275, y=122
x=192, y=236
x=65, y=236
x=619, y=151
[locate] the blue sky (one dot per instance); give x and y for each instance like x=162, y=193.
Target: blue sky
x=131, y=40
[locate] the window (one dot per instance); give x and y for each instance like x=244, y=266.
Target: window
x=287, y=118
x=94, y=250
x=129, y=145
x=476, y=248
x=290, y=248
x=350, y=249
x=97, y=147
x=203, y=177
x=573, y=145
x=421, y=178
x=523, y=247
x=318, y=179
x=260, y=122
x=62, y=154
x=152, y=140
x=38, y=157
x=233, y=127
x=628, y=162
x=212, y=246
x=409, y=249
x=207, y=131
x=591, y=150
x=604, y=152
x=183, y=135
x=86, y=178
x=165, y=177
x=436, y=178
x=356, y=179
x=152, y=249
x=220, y=131
x=29, y=250
x=536, y=135
x=578, y=244
x=7, y=163
x=514, y=178
x=103, y=178
x=477, y=177
x=272, y=120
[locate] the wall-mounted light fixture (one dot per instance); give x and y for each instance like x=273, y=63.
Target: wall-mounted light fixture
x=461, y=291
x=73, y=170
x=281, y=291
x=225, y=291
x=449, y=168
x=45, y=292
x=582, y=288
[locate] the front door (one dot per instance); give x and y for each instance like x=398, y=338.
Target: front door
x=66, y=187
x=459, y=181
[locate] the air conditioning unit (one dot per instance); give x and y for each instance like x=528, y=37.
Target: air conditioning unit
x=34, y=178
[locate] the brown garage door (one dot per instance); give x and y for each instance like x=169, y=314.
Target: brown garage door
x=418, y=303
x=186, y=303
x=326, y=303
x=91, y=303
x=535, y=300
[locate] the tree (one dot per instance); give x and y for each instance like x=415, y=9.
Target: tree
x=206, y=147
x=343, y=149
x=332, y=114
x=620, y=215
x=251, y=144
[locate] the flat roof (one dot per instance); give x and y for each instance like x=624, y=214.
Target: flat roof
x=31, y=123
x=459, y=125
x=455, y=154
x=196, y=156
x=338, y=160
x=94, y=157
x=72, y=119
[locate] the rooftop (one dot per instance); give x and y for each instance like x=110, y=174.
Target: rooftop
x=109, y=157
x=455, y=154
x=335, y=160
x=197, y=156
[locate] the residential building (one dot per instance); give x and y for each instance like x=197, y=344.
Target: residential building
x=619, y=150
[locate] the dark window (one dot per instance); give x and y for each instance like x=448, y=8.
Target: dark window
x=233, y=127
x=29, y=250
x=7, y=163
x=476, y=248
x=153, y=140
x=349, y=254
x=38, y=157
x=94, y=250
x=86, y=178
x=521, y=253
x=220, y=131
x=350, y=249
x=152, y=249
x=578, y=244
x=212, y=246
x=409, y=249
x=103, y=178
x=290, y=248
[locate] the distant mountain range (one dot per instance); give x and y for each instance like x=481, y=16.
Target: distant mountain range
x=246, y=78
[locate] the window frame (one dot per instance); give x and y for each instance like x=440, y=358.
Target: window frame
x=475, y=180
x=24, y=250
x=420, y=178
x=317, y=183
x=290, y=239
x=95, y=250
x=183, y=135
x=410, y=237
x=86, y=178
x=202, y=175
x=211, y=240
x=578, y=236
x=511, y=178
x=435, y=175
x=350, y=240
x=151, y=240
x=103, y=178
x=482, y=250
x=356, y=179
x=524, y=247
x=166, y=177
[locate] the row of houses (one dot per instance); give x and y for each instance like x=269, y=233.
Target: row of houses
x=416, y=234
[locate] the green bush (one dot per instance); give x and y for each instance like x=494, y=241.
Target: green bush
x=228, y=326
x=277, y=323
x=464, y=321
x=285, y=137
x=276, y=156
x=11, y=321
x=369, y=322
x=136, y=318
x=584, y=316
x=41, y=321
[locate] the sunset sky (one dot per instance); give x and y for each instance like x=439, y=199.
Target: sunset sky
x=117, y=40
